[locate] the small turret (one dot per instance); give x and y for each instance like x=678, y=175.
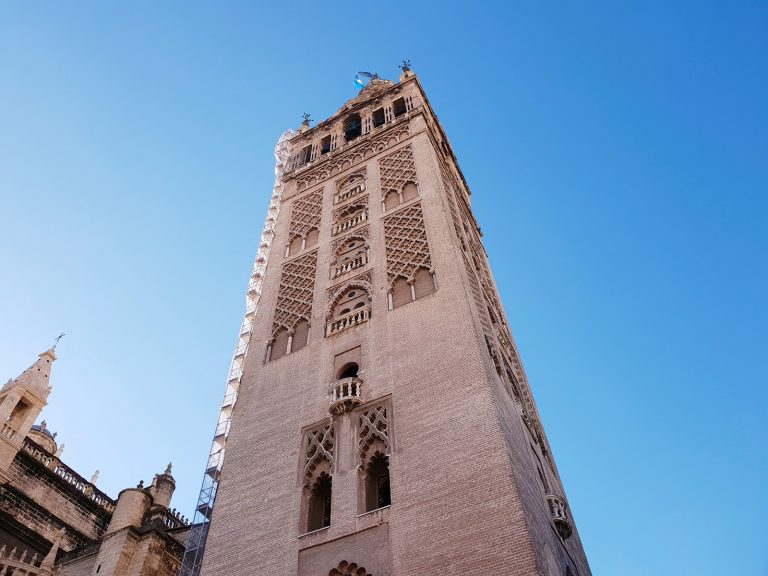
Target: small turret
x=132, y=504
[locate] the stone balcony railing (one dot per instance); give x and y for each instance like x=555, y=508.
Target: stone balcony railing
x=8, y=431
x=349, y=265
x=68, y=475
x=349, y=193
x=351, y=222
x=174, y=519
x=344, y=395
x=558, y=509
x=354, y=318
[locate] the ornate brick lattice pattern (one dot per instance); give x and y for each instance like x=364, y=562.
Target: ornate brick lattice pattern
x=406, y=243
x=297, y=286
x=358, y=152
x=320, y=446
x=305, y=214
x=396, y=170
x=360, y=233
x=374, y=426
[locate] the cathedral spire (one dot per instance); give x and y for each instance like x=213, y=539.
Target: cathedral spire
x=21, y=401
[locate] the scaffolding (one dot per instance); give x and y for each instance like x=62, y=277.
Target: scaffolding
x=198, y=534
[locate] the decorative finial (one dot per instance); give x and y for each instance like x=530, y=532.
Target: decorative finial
x=406, y=65
x=168, y=468
x=59, y=337
x=307, y=118
x=140, y=485
x=43, y=425
x=55, y=434
x=95, y=476
x=59, y=450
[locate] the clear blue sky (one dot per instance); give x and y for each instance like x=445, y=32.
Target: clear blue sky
x=617, y=156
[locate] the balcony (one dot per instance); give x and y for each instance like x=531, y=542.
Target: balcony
x=351, y=222
x=344, y=395
x=557, y=507
x=354, y=318
x=350, y=193
x=349, y=265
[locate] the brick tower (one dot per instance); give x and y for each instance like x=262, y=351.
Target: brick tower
x=383, y=423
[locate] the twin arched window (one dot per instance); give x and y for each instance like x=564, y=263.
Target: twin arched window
x=394, y=198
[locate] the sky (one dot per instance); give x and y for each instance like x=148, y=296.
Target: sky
x=617, y=157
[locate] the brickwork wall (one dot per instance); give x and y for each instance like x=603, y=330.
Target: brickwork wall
x=464, y=493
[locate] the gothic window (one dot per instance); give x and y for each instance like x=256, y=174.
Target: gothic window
x=350, y=305
x=348, y=371
x=325, y=145
x=305, y=222
x=319, y=508
x=377, y=494
x=350, y=255
x=295, y=245
x=378, y=117
x=373, y=446
x=311, y=239
x=318, y=465
x=352, y=127
x=398, y=106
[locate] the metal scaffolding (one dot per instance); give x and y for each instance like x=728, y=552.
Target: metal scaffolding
x=198, y=534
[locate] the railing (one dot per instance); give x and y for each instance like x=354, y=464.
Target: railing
x=353, y=318
x=8, y=431
x=347, y=194
x=344, y=395
x=68, y=475
x=174, y=519
x=350, y=222
x=20, y=563
x=349, y=265
x=558, y=509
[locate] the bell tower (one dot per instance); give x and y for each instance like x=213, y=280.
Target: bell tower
x=378, y=420
x=21, y=401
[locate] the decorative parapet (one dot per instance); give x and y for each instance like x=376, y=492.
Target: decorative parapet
x=69, y=476
x=357, y=316
x=20, y=563
x=174, y=519
x=349, y=265
x=558, y=509
x=8, y=431
x=344, y=395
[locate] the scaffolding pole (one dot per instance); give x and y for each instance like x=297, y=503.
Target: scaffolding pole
x=198, y=534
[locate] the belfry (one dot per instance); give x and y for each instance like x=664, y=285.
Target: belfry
x=377, y=419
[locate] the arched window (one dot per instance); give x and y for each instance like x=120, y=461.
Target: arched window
x=401, y=293
x=350, y=301
x=312, y=237
x=377, y=493
x=300, y=335
x=409, y=191
x=352, y=127
x=423, y=283
x=348, y=371
x=295, y=246
x=279, y=344
x=319, y=509
x=391, y=200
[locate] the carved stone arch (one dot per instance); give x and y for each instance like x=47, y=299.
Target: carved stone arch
x=349, y=569
x=337, y=247
x=338, y=293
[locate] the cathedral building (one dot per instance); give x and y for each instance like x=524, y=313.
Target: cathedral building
x=55, y=522
x=378, y=420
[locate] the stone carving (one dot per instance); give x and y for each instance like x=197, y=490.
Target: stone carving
x=297, y=286
x=407, y=248
x=397, y=169
x=305, y=214
x=374, y=426
x=320, y=445
x=347, y=159
x=350, y=186
x=349, y=569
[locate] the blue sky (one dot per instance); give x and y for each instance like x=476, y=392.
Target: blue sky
x=617, y=157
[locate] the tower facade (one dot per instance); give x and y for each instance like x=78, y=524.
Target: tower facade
x=383, y=422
